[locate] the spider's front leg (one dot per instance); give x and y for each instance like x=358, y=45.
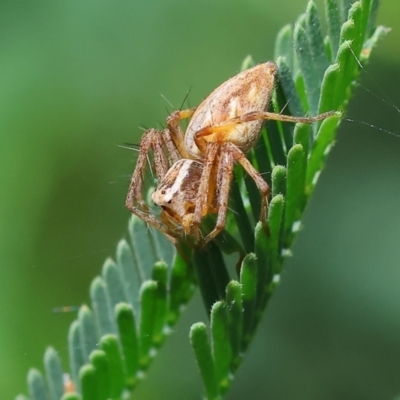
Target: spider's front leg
x=152, y=140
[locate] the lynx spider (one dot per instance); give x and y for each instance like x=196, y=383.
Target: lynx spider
x=195, y=168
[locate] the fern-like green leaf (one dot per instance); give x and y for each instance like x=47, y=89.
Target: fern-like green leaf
x=135, y=304
x=139, y=297
x=317, y=74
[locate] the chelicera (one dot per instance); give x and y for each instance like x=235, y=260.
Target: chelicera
x=195, y=168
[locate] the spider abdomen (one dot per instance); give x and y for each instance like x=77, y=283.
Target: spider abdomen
x=218, y=118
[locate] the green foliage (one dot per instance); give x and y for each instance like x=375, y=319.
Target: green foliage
x=139, y=297
x=114, y=342
x=317, y=74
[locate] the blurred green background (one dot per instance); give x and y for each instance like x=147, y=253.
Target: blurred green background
x=78, y=78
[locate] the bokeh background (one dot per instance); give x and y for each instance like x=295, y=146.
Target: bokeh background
x=77, y=79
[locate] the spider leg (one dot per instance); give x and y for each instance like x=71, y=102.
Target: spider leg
x=172, y=150
x=263, y=186
x=155, y=223
x=207, y=187
x=224, y=178
x=152, y=140
x=161, y=163
x=175, y=130
x=256, y=116
x=136, y=184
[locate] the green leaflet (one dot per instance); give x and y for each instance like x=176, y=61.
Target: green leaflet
x=129, y=340
x=54, y=374
x=99, y=361
x=202, y=351
x=36, y=385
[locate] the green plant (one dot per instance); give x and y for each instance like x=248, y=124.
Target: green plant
x=138, y=298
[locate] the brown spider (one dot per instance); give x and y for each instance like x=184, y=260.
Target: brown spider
x=195, y=168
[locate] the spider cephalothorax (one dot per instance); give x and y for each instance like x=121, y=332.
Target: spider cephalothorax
x=195, y=168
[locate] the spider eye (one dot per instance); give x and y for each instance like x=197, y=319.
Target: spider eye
x=169, y=202
x=163, y=192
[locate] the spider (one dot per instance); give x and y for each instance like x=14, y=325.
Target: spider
x=194, y=169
